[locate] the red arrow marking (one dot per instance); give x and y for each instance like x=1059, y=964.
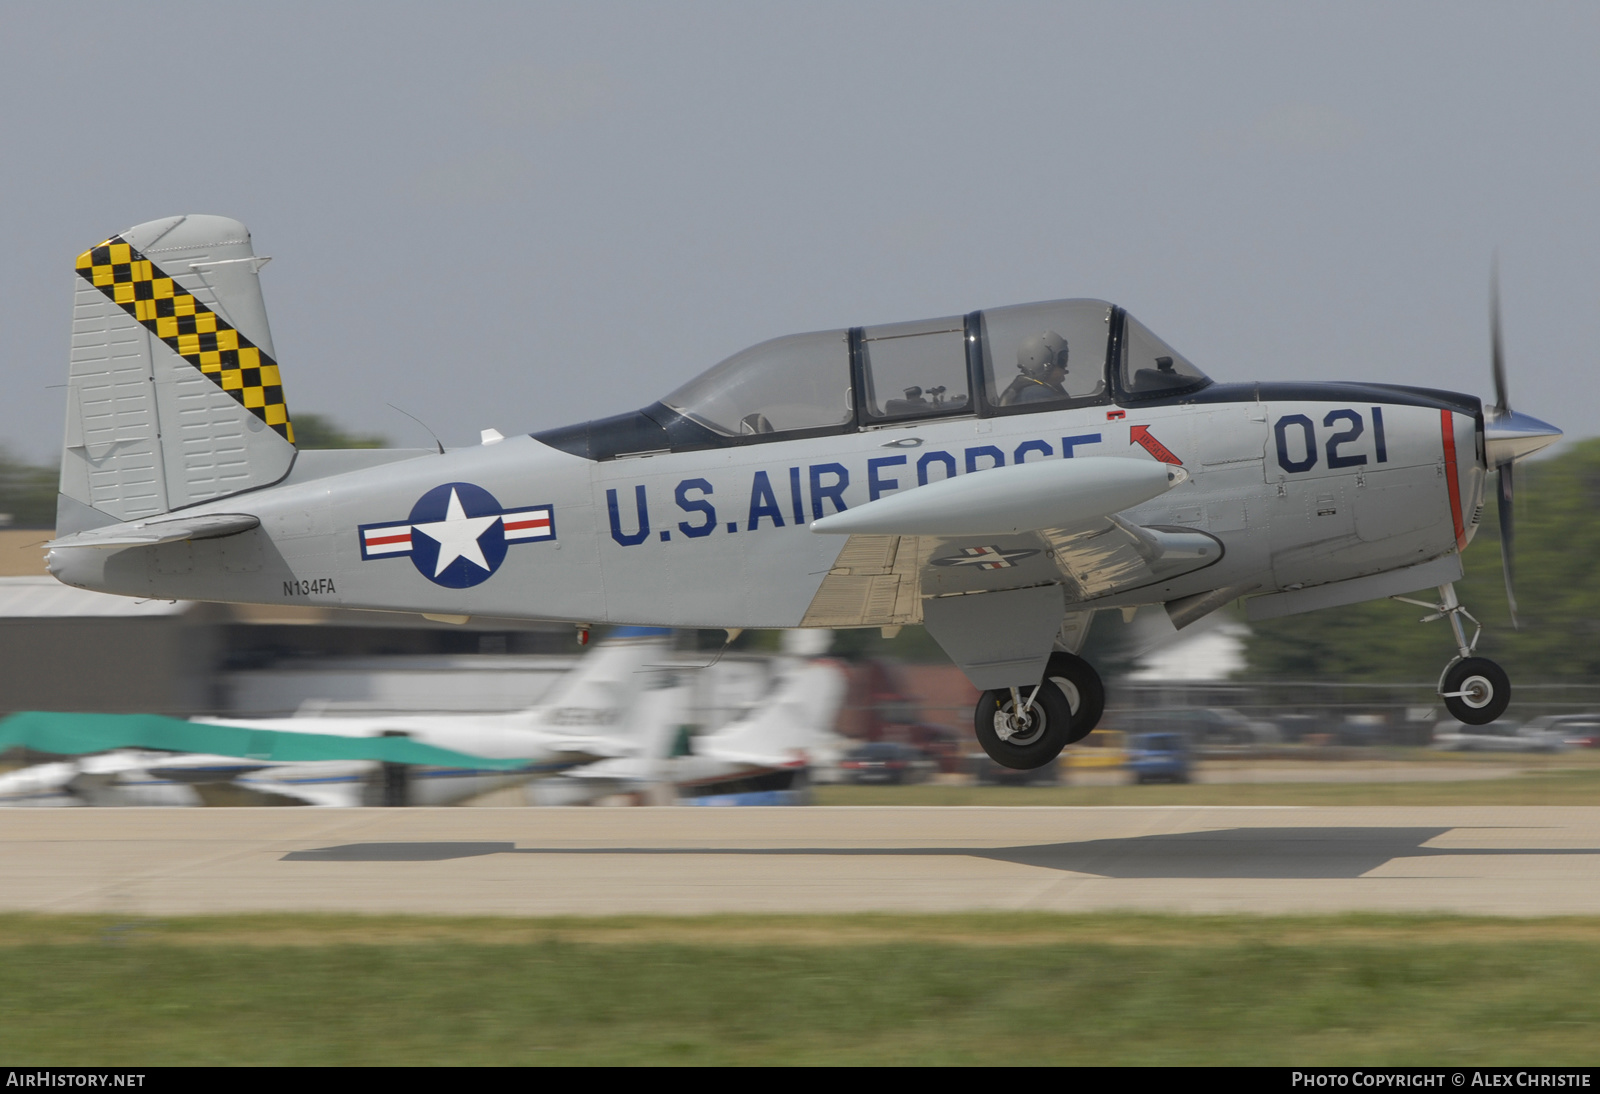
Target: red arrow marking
x=1140, y=435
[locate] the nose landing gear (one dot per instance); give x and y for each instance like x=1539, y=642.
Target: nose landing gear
x=1475, y=690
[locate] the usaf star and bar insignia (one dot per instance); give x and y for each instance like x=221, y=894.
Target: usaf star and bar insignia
x=457, y=534
x=987, y=558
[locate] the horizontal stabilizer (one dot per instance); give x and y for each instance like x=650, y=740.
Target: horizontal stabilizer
x=148, y=533
x=1009, y=500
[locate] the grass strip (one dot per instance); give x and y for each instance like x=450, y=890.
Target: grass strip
x=965, y=989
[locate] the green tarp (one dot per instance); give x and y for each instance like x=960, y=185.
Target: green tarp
x=74, y=734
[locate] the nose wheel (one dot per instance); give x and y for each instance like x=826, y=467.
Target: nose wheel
x=1026, y=727
x=1475, y=690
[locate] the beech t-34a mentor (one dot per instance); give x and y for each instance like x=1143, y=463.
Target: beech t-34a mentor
x=998, y=477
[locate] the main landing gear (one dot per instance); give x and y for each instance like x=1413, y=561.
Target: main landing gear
x=1475, y=690
x=1028, y=726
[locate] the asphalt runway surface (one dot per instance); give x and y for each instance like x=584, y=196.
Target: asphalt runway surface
x=1502, y=860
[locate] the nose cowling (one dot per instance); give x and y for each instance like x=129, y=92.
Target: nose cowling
x=1510, y=436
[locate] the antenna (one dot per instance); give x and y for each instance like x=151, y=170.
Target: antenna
x=422, y=423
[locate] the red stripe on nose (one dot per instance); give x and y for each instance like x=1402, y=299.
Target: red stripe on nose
x=1447, y=426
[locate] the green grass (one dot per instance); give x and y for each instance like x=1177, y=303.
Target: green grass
x=1537, y=784
x=969, y=989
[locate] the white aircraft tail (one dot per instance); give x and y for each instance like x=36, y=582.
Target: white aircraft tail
x=598, y=700
x=789, y=724
x=174, y=395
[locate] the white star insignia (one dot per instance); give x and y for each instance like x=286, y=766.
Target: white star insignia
x=457, y=535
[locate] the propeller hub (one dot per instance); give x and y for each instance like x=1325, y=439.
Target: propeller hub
x=1508, y=436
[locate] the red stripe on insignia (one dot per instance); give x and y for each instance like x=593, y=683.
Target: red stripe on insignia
x=537, y=522
x=1447, y=426
x=378, y=541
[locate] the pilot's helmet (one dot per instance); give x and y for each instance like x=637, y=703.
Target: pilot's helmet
x=1039, y=354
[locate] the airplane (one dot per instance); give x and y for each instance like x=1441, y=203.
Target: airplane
x=602, y=709
x=760, y=756
x=997, y=477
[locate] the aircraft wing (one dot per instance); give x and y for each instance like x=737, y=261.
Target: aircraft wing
x=341, y=791
x=39, y=784
x=1051, y=523
x=882, y=580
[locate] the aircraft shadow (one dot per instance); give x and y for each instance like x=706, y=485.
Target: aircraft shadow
x=1288, y=853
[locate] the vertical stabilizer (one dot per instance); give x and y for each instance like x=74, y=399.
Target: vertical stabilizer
x=174, y=396
x=791, y=723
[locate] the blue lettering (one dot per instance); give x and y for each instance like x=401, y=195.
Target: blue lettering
x=763, y=503
x=1308, y=437
x=977, y=453
x=834, y=490
x=1042, y=447
x=794, y=498
x=694, y=505
x=1357, y=427
x=629, y=539
x=928, y=458
x=1067, y=443
x=875, y=485
x=1377, y=434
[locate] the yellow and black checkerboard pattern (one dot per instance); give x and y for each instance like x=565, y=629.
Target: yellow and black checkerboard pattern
x=195, y=332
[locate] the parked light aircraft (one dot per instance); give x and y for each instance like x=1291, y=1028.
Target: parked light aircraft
x=998, y=477
x=602, y=709
x=772, y=746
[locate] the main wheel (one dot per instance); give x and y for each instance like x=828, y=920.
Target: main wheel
x=1476, y=691
x=1080, y=686
x=1027, y=739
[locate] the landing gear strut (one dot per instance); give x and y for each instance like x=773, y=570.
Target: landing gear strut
x=1028, y=726
x=1475, y=690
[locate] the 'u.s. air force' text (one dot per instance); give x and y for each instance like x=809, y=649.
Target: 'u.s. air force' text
x=783, y=498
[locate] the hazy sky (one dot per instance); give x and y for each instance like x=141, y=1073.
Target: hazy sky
x=522, y=215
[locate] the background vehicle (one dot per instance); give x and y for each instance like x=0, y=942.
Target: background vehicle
x=1158, y=757
x=1210, y=726
x=886, y=762
x=1576, y=730
x=985, y=772
x=1500, y=737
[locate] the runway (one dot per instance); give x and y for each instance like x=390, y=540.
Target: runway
x=1500, y=860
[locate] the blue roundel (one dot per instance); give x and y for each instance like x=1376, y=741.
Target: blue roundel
x=457, y=537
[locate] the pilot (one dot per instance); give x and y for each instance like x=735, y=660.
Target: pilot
x=1043, y=361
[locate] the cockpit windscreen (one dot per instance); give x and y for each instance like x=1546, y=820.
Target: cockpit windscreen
x=1151, y=368
x=795, y=383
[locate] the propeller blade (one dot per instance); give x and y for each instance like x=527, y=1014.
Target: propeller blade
x=1497, y=353
x=1507, y=536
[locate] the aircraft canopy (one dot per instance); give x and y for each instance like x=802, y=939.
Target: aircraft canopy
x=1020, y=359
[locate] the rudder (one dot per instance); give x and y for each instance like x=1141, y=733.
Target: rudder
x=174, y=396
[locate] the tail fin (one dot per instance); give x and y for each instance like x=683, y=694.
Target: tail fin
x=598, y=696
x=174, y=396
x=794, y=719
